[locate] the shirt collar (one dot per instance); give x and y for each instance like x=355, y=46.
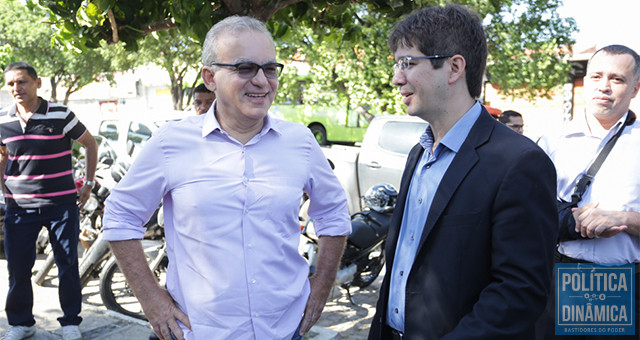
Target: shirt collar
x=580, y=126
x=454, y=138
x=211, y=123
x=42, y=109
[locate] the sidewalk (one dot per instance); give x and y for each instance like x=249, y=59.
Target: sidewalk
x=340, y=320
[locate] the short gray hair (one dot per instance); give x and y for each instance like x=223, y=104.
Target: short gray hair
x=234, y=24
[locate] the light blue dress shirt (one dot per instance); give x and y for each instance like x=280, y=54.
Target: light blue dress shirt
x=231, y=221
x=425, y=181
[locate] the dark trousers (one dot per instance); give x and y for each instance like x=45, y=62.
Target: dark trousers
x=545, y=327
x=21, y=231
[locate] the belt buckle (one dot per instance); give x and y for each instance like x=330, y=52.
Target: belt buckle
x=396, y=334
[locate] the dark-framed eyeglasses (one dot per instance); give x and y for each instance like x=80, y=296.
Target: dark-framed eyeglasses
x=404, y=63
x=515, y=126
x=248, y=70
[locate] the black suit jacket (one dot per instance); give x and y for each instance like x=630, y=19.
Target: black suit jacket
x=483, y=266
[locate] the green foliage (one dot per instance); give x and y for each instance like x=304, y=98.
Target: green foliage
x=346, y=47
x=31, y=40
x=528, y=45
x=174, y=52
x=5, y=56
x=343, y=42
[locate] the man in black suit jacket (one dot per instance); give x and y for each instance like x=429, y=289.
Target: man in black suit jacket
x=470, y=248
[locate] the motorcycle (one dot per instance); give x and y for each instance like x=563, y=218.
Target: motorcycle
x=114, y=289
x=363, y=256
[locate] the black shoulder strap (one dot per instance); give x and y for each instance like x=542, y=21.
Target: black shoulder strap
x=587, y=178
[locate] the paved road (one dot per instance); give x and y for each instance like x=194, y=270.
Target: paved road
x=340, y=320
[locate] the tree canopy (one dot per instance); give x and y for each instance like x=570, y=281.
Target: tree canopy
x=342, y=42
x=26, y=39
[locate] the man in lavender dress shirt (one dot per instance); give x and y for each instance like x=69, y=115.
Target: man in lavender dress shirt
x=231, y=182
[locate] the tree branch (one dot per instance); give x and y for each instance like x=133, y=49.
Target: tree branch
x=265, y=14
x=163, y=25
x=114, y=27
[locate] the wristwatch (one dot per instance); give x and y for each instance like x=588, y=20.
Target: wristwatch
x=90, y=183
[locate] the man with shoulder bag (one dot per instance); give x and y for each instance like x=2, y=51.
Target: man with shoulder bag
x=597, y=160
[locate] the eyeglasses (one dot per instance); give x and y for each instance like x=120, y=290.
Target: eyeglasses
x=514, y=125
x=404, y=63
x=248, y=70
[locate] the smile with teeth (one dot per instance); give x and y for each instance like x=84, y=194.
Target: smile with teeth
x=256, y=95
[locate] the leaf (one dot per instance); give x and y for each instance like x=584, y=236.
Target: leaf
x=90, y=15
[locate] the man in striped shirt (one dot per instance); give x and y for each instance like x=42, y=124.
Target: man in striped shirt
x=38, y=185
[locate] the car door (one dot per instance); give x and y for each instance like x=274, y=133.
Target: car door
x=383, y=159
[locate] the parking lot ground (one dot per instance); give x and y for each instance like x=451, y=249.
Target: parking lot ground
x=341, y=319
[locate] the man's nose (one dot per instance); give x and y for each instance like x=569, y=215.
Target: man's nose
x=398, y=78
x=260, y=77
x=604, y=85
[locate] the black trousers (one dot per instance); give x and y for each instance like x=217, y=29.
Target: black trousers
x=545, y=327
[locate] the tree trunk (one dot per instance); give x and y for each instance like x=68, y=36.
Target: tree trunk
x=54, y=92
x=193, y=87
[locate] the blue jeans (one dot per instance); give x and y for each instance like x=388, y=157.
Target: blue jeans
x=21, y=231
x=296, y=335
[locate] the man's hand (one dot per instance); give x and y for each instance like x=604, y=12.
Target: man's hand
x=320, y=290
x=593, y=222
x=83, y=195
x=162, y=313
x=156, y=302
x=330, y=250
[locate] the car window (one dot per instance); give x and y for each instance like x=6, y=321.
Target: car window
x=138, y=133
x=109, y=130
x=400, y=137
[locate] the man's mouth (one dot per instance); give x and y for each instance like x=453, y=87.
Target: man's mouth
x=256, y=95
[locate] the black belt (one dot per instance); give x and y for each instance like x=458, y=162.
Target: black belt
x=561, y=258
x=395, y=334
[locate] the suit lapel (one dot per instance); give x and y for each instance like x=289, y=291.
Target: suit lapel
x=462, y=163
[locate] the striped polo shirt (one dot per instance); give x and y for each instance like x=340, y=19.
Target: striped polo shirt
x=39, y=168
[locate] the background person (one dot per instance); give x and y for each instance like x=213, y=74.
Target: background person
x=470, y=246
x=39, y=190
x=607, y=217
x=231, y=220
x=513, y=120
x=203, y=98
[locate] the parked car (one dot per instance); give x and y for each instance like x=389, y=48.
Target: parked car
x=379, y=159
x=128, y=132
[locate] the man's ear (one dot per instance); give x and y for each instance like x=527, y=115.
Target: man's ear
x=458, y=67
x=39, y=82
x=635, y=88
x=208, y=78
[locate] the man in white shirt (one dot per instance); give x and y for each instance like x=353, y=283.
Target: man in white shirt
x=607, y=218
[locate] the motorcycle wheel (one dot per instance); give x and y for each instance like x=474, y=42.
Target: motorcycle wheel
x=41, y=274
x=116, y=293
x=369, y=269
x=89, y=267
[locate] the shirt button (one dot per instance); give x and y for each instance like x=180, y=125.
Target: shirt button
x=245, y=180
x=246, y=211
x=253, y=281
x=412, y=238
x=396, y=310
x=401, y=272
x=428, y=166
x=257, y=314
x=250, y=245
x=419, y=200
